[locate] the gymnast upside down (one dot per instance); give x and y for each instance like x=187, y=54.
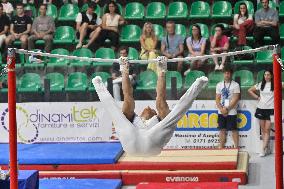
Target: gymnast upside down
x=148, y=133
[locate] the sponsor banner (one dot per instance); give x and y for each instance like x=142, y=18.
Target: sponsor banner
x=58, y=122
x=88, y=122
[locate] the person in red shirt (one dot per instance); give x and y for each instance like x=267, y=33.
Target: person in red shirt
x=219, y=44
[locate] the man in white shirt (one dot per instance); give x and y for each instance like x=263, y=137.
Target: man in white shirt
x=227, y=97
x=87, y=24
x=8, y=8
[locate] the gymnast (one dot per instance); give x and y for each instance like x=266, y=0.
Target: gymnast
x=147, y=134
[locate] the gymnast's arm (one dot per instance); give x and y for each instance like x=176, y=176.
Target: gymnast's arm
x=161, y=103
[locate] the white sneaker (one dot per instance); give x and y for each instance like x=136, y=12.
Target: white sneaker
x=262, y=153
x=79, y=45
x=186, y=72
x=221, y=67
x=217, y=67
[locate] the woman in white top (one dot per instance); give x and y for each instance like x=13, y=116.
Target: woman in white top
x=243, y=24
x=196, y=47
x=110, y=22
x=265, y=107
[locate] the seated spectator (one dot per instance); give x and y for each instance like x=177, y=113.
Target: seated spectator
x=243, y=24
x=32, y=1
x=20, y=27
x=4, y=26
x=148, y=41
x=196, y=45
x=219, y=44
x=87, y=24
x=266, y=20
x=110, y=22
x=172, y=45
x=43, y=28
x=4, y=81
x=116, y=74
x=8, y=8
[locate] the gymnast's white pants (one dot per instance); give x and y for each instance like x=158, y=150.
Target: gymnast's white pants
x=143, y=141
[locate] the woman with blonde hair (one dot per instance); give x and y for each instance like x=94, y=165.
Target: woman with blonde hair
x=148, y=41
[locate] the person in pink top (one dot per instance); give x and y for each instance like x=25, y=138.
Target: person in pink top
x=219, y=44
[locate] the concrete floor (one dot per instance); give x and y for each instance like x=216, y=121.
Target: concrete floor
x=261, y=173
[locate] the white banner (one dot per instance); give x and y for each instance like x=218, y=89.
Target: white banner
x=88, y=122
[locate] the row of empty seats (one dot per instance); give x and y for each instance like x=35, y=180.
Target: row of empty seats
x=158, y=10
x=147, y=80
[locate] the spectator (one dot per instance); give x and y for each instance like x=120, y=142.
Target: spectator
x=87, y=24
x=148, y=41
x=3, y=81
x=243, y=24
x=227, y=97
x=116, y=74
x=265, y=107
x=32, y=1
x=266, y=20
x=8, y=8
x=196, y=45
x=20, y=27
x=110, y=22
x=219, y=44
x=43, y=28
x=4, y=26
x=172, y=45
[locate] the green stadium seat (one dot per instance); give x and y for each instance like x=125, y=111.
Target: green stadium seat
x=241, y=62
x=246, y=78
x=119, y=8
x=180, y=30
x=155, y=11
x=281, y=9
x=82, y=52
x=97, y=11
x=64, y=35
x=57, y=62
x=204, y=30
x=199, y=10
x=104, y=53
x=213, y=27
x=222, y=10
x=264, y=57
x=51, y=11
x=259, y=76
x=191, y=77
x=130, y=34
x=133, y=53
x=249, y=4
x=177, y=10
x=272, y=4
x=103, y=75
x=214, y=78
x=169, y=76
x=56, y=81
x=68, y=12
x=76, y=82
x=134, y=11
x=31, y=8
x=30, y=82
x=159, y=31
x=281, y=31
x=147, y=80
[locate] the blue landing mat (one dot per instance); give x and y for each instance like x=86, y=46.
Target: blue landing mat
x=80, y=184
x=64, y=153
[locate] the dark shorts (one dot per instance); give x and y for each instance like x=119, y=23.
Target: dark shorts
x=263, y=114
x=228, y=122
x=89, y=31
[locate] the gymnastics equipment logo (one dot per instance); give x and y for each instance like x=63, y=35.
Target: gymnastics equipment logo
x=27, y=133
